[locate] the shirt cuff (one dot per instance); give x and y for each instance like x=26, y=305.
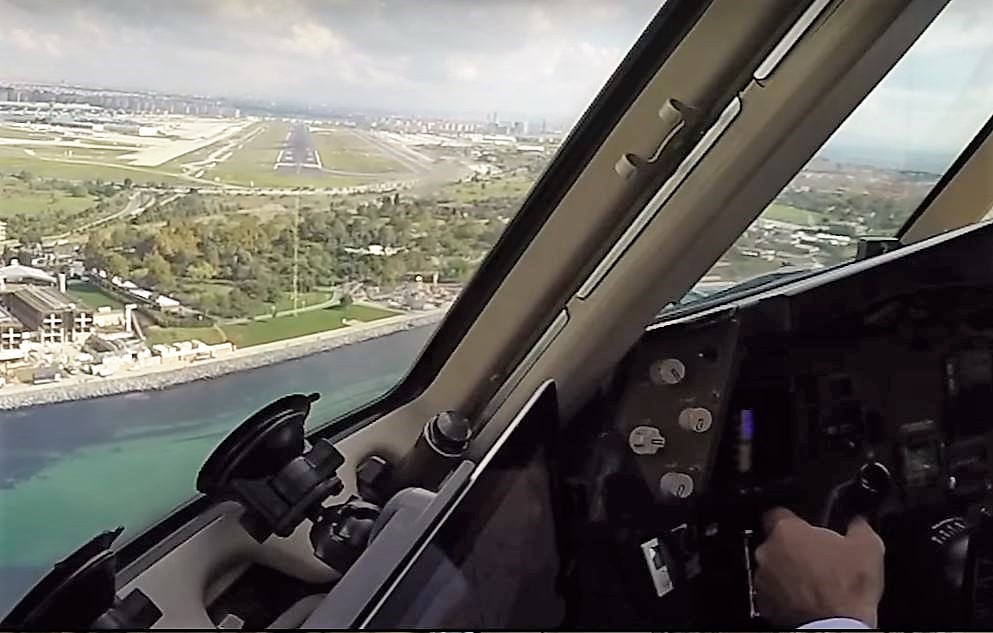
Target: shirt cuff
x=836, y=623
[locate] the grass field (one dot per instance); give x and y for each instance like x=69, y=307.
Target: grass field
x=209, y=335
x=305, y=299
x=793, y=215
x=347, y=152
x=13, y=160
x=513, y=187
x=93, y=296
x=302, y=324
x=7, y=131
x=285, y=302
x=269, y=330
x=15, y=200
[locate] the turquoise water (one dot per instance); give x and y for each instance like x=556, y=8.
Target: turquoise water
x=71, y=470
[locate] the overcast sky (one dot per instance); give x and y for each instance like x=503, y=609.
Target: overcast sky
x=938, y=95
x=543, y=57
x=516, y=57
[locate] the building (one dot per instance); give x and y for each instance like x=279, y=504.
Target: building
x=3, y=231
x=11, y=336
x=50, y=313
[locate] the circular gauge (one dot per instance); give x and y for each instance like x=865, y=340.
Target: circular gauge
x=668, y=371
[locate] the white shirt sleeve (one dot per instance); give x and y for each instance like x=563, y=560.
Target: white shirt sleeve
x=836, y=623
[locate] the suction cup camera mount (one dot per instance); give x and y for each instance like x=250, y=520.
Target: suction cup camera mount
x=262, y=466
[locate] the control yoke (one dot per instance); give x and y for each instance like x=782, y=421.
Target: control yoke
x=862, y=496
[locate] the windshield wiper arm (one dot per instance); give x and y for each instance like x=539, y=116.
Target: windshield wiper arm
x=765, y=279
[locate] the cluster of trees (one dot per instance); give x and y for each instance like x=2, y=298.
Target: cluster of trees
x=234, y=264
x=881, y=213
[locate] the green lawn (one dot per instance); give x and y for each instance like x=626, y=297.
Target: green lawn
x=305, y=299
x=793, y=215
x=91, y=295
x=302, y=324
x=15, y=200
x=209, y=335
x=268, y=330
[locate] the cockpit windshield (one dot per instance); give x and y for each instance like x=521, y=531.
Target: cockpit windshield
x=879, y=166
x=208, y=204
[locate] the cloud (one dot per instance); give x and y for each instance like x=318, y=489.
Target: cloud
x=313, y=40
x=938, y=96
x=30, y=41
x=462, y=70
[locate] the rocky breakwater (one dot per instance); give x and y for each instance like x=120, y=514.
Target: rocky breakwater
x=82, y=387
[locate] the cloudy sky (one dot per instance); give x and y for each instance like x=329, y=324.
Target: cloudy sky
x=516, y=57
x=539, y=57
x=936, y=98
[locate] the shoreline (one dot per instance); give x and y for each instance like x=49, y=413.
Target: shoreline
x=158, y=378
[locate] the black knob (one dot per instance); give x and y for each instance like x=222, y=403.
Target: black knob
x=449, y=432
x=874, y=484
x=862, y=496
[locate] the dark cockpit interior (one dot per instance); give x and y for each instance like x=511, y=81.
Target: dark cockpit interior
x=864, y=391
x=868, y=391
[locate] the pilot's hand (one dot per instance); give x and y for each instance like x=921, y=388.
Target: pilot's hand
x=807, y=573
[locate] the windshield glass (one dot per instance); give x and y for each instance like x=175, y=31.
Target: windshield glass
x=205, y=205
x=882, y=161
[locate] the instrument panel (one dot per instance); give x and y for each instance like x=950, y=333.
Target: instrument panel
x=674, y=403
x=746, y=400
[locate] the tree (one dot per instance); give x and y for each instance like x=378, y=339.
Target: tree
x=116, y=265
x=346, y=300
x=97, y=244
x=241, y=303
x=127, y=183
x=30, y=237
x=387, y=236
x=158, y=272
x=201, y=271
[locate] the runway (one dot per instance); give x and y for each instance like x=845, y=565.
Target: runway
x=298, y=152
